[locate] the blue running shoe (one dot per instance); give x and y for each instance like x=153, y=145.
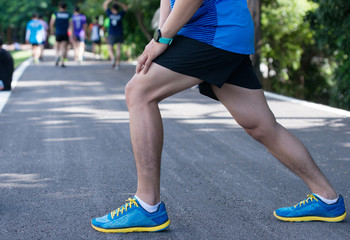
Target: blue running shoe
x=131, y=217
x=313, y=209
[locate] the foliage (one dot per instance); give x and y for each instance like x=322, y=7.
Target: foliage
x=288, y=50
x=18, y=13
x=144, y=10
x=331, y=22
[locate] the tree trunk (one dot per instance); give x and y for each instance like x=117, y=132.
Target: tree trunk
x=139, y=17
x=255, y=10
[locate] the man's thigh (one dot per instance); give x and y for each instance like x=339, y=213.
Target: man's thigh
x=248, y=106
x=160, y=82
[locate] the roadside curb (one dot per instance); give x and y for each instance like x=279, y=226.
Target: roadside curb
x=308, y=104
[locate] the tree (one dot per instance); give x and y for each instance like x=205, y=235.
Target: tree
x=288, y=51
x=255, y=10
x=331, y=22
x=13, y=21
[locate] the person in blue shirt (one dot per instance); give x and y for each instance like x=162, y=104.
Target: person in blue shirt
x=61, y=22
x=207, y=43
x=115, y=31
x=34, y=36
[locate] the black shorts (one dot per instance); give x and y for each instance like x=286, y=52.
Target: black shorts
x=113, y=39
x=61, y=37
x=212, y=65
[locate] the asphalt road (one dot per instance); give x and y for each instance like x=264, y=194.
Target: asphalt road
x=65, y=158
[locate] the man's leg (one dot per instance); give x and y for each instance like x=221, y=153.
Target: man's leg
x=93, y=50
x=33, y=51
x=250, y=110
x=36, y=53
x=58, y=47
x=143, y=93
x=118, y=54
x=63, y=46
x=111, y=53
x=64, y=50
x=81, y=50
x=76, y=49
x=42, y=48
x=58, y=52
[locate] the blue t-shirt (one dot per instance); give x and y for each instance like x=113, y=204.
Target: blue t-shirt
x=115, y=22
x=34, y=33
x=79, y=21
x=225, y=24
x=62, y=22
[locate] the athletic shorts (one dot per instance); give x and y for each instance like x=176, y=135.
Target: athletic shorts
x=212, y=65
x=61, y=37
x=113, y=39
x=97, y=41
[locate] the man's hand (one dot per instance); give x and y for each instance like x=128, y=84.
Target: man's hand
x=151, y=52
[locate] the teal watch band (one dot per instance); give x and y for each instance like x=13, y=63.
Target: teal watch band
x=165, y=40
x=158, y=38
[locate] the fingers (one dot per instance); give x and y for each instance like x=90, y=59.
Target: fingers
x=147, y=65
x=149, y=54
x=140, y=63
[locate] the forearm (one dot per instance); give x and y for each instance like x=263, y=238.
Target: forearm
x=182, y=12
x=52, y=24
x=164, y=12
x=105, y=4
x=27, y=34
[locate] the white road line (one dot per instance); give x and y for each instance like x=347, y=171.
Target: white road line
x=5, y=95
x=308, y=104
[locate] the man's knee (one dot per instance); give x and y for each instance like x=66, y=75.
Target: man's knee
x=262, y=132
x=135, y=93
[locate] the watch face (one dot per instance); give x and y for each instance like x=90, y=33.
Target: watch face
x=156, y=35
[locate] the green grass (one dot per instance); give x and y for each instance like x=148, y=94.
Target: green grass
x=20, y=56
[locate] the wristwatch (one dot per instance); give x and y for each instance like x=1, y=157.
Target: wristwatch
x=158, y=37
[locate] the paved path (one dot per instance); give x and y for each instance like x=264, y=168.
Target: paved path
x=65, y=158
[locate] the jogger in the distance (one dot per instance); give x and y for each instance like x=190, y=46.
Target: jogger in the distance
x=207, y=43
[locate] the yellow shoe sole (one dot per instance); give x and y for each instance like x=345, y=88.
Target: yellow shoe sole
x=311, y=218
x=134, y=229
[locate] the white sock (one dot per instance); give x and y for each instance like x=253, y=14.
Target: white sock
x=325, y=200
x=147, y=207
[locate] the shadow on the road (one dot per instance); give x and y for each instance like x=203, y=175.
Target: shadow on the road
x=71, y=155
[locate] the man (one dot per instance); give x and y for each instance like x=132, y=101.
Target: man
x=61, y=22
x=207, y=42
x=115, y=32
x=34, y=36
x=79, y=30
x=6, y=69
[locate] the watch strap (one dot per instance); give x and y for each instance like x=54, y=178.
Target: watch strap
x=165, y=40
